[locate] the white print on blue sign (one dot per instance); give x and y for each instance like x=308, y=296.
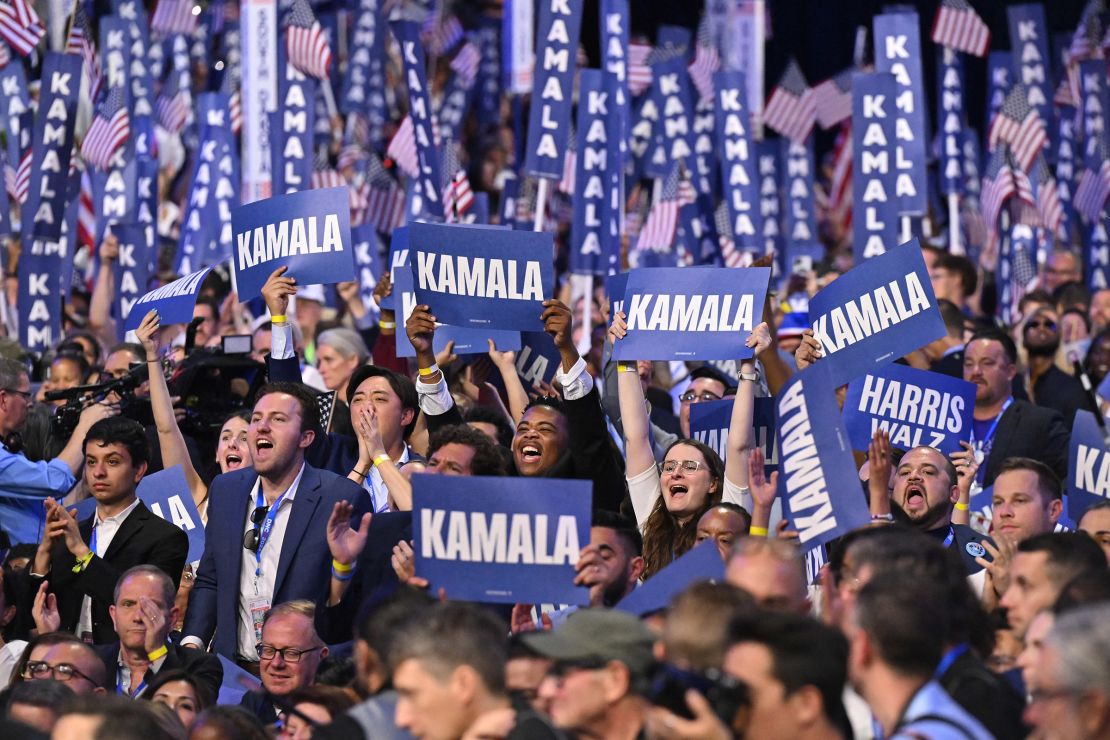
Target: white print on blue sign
x=503, y=540
x=876, y=313
x=549, y=120
x=898, y=51
x=915, y=407
x=876, y=221
x=1088, y=466
x=817, y=474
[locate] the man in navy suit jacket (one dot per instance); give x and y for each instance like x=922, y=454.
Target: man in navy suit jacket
x=265, y=542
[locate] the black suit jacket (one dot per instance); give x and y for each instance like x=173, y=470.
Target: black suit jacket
x=986, y=696
x=1026, y=430
x=203, y=667
x=143, y=539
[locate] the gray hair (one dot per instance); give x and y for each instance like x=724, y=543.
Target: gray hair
x=169, y=591
x=346, y=342
x=296, y=607
x=11, y=371
x=1082, y=640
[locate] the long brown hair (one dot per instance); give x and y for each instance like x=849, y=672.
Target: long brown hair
x=664, y=538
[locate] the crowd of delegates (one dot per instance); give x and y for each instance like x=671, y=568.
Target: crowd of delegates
x=935, y=621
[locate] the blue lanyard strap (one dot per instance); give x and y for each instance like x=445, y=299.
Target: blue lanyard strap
x=267, y=525
x=951, y=536
x=987, y=439
x=121, y=689
x=949, y=658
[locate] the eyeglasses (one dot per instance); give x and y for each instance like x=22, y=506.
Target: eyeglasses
x=251, y=536
x=1043, y=324
x=690, y=396
x=1042, y=695
x=25, y=395
x=564, y=669
x=39, y=669
x=289, y=655
x=688, y=466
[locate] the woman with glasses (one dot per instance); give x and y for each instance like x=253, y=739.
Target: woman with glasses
x=670, y=498
x=232, y=450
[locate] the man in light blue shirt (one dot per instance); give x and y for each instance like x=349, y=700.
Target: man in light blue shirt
x=24, y=484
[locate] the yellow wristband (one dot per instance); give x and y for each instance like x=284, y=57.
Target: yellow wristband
x=157, y=654
x=83, y=562
x=279, y=319
x=341, y=567
x=757, y=531
x=426, y=371
x=626, y=367
x=381, y=458
x=961, y=507
x=387, y=324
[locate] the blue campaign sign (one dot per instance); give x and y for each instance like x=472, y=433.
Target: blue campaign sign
x=701, y=563
x=692, y=314
x=39, y=303
x=1067, y=158
x=480, y=276
x=739, y=176
x=167, y=494
x=468, y=341
x=876, y=313
x=501, y=540
x=549, y=120
x=427, y=197
x=1031, y=58
x=174, y=301
x=709, y=424
x=704, y=176
x=310, y=232
x=797, y=186
x=671, y=89
x=291, y=128
x=999, y=81
x=135, y=243
x=1088, y=466
x=368, y=260
x=14, y=98
x=915, y=407
x=398, y=257
x=614, y=52
x=818, y=482
x=898, y=51
x=538, y=359
x=614, y=290
x=770, y=200
x=951, y=119
x=52, y=145
x=597, y=155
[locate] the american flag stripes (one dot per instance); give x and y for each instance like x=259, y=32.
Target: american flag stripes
x=384, y=199
x=959, y=27
x=5, y=54
x=305, y=42
x=20, y=26
x=639, y=72
x=1002, y=180
x=1094, y=186
x=1046, y=196
x=1088, y=34
x=82, y=41
x=23, y=177
x=173, y=104
x=840, y=183
x=1019, y=125
x=108, y=131
x=441, y=32
x=730, y=255
x=662, y=221
x=457, y=194
x=466, y=62
x=706, y=61
x=86, y=214
x=833, y=98
x=570, y=162
x=174, y=16
x=402, y=148
x=791, y=109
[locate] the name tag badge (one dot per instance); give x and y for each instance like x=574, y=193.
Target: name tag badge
x=258, y=609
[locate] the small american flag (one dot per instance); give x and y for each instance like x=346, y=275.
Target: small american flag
x=706, y=61
x=840, y=183
x=86, y=214
x=662, y=221
x=570, y=162
x=175, y=16
x=731, y=256
x=791, y=109
x=1018, y=125
x=639, y=72
x=81, y=41
x=174, y=103
x=305, y=42
x=5, y=54
x=833, y=99
x=466, y=62
x=20, y=26
x=1088, y=34
x=1046, y=196
x=23, y=177
x=1001, y=181
x=230, y=86
x=1064, y=95
x=402, y=148
x=108, y=131
x=1094, y=185
x=457, y=194
x=349, y=156
x=959, y=27
x=325, y=405
x=441, y=32
x=324, y=175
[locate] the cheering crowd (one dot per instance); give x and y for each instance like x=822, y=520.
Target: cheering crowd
x=266, y=583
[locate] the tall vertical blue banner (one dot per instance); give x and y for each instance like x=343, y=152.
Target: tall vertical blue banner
x=671, y=90
x=770, y=200
x=898, y=51
x=999, y=81
x=614, y=56
x=1067, y=159
x=131, y=267
x=206, y=224
x=488, y=83
x=705, y=153
x=1094, y=98
x=427, y=198
x=801, y=218
x=549, y=119
x=214, y=119
x=41, y=265
x=368, y=260
x=1031, y=57
x=739, y=173
x=950, y=119
x=291, y=128
x=597, y=154
x=1098, y=253
x=52, y=145
x=875, y=219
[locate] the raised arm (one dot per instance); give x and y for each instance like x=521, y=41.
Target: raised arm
x=104, y=292
x=741, y=433
x=634, y=413
x=170, y=439
x=506, y=365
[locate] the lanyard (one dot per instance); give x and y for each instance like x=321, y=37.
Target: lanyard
x=987, y=438
x=267, y=525
x=949, y=658
x=120, y=689
x=951, y=536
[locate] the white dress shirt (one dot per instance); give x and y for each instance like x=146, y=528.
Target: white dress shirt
x=104, y=531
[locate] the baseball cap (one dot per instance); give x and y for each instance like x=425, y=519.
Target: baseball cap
x=598, y=635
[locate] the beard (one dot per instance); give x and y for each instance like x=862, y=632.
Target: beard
x=927, y=519
x=1043, y=349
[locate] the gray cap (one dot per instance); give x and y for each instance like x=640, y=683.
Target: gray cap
x=598, y=634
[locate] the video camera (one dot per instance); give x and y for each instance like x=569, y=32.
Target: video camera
x=725, y=694
x=66, y=417
x=213, y=384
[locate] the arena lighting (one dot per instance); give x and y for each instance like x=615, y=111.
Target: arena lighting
x=219, y=65
x=196, y=10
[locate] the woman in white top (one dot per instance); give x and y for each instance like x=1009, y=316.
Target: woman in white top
x=670, y=497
